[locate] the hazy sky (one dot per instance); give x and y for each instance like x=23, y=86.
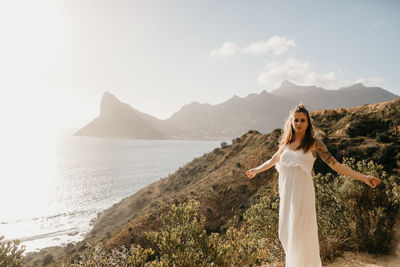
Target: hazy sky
x=58, y=57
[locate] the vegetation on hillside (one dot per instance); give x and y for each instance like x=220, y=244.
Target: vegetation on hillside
x=367, y=132
x=351, y=216
x=11, y=253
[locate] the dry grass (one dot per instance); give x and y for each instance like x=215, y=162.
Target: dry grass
x=351, y=259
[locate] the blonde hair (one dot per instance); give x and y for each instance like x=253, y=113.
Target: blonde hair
x=288, y=133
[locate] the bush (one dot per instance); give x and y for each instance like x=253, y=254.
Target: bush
x=48, y=259
x=366, y=126
x=182, y=240
x=354, y=216
x=95, y=256
x=11, y=253
x=236, y=140
x=217, y=151
x=262, y=220
x=386, y=156
x=238, y=247
x=383, y=138
x=224, y=144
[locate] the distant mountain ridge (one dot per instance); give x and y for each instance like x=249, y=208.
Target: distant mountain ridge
x=319, y=98
x=263, y=112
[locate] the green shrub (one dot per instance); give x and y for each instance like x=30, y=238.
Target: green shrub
x=332, y=228
x=262, y=221
x=138, y=257
x=224, y=144
x=237, y=247
x=354, y=216
x=11, y=253
x=182, y=240
x=367, y=126
x=386, y=156
x=383, y=138
x=47, y=259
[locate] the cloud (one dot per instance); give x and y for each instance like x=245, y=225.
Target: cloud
x=276, y=45
x=301, y=73
x=227, y=49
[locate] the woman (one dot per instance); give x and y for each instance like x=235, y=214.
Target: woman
x=294, y=160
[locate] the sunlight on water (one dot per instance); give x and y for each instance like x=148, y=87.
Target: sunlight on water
x=52, y=187
x=28, y=185
x=29, y=167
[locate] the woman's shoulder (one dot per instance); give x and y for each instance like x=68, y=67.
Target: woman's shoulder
x=319, y=145
x=317, y=142
x=281, y=147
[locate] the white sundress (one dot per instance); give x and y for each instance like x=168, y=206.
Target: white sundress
x=298, y=229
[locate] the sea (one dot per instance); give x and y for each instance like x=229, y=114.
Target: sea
x=52, y=188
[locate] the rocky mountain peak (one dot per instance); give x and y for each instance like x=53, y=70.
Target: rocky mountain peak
x=356, y=86
x=287, y=83
x=108, y=102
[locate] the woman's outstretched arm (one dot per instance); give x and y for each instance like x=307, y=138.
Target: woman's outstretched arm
x=265, y=166
x=343, y=169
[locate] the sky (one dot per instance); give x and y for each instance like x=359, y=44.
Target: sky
x=57, y=58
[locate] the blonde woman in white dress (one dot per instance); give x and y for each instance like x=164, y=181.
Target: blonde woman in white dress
x=298, y=149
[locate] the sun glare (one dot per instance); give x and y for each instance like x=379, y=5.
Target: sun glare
x=28, y=171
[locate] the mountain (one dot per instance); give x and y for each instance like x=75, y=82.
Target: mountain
x=119, y=120
x=193, y=121
x=233, y=117
x=262, y=112
x=319, y=98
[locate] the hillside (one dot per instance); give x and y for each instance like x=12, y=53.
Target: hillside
x=217, y=179
x=366, y=132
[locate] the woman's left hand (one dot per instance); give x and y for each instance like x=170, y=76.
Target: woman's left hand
x=372, y=181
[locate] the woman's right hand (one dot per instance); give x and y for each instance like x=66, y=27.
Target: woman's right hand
x=251, y=173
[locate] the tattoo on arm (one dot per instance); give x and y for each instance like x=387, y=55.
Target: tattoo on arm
x=314, y=152
x=324, y=153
